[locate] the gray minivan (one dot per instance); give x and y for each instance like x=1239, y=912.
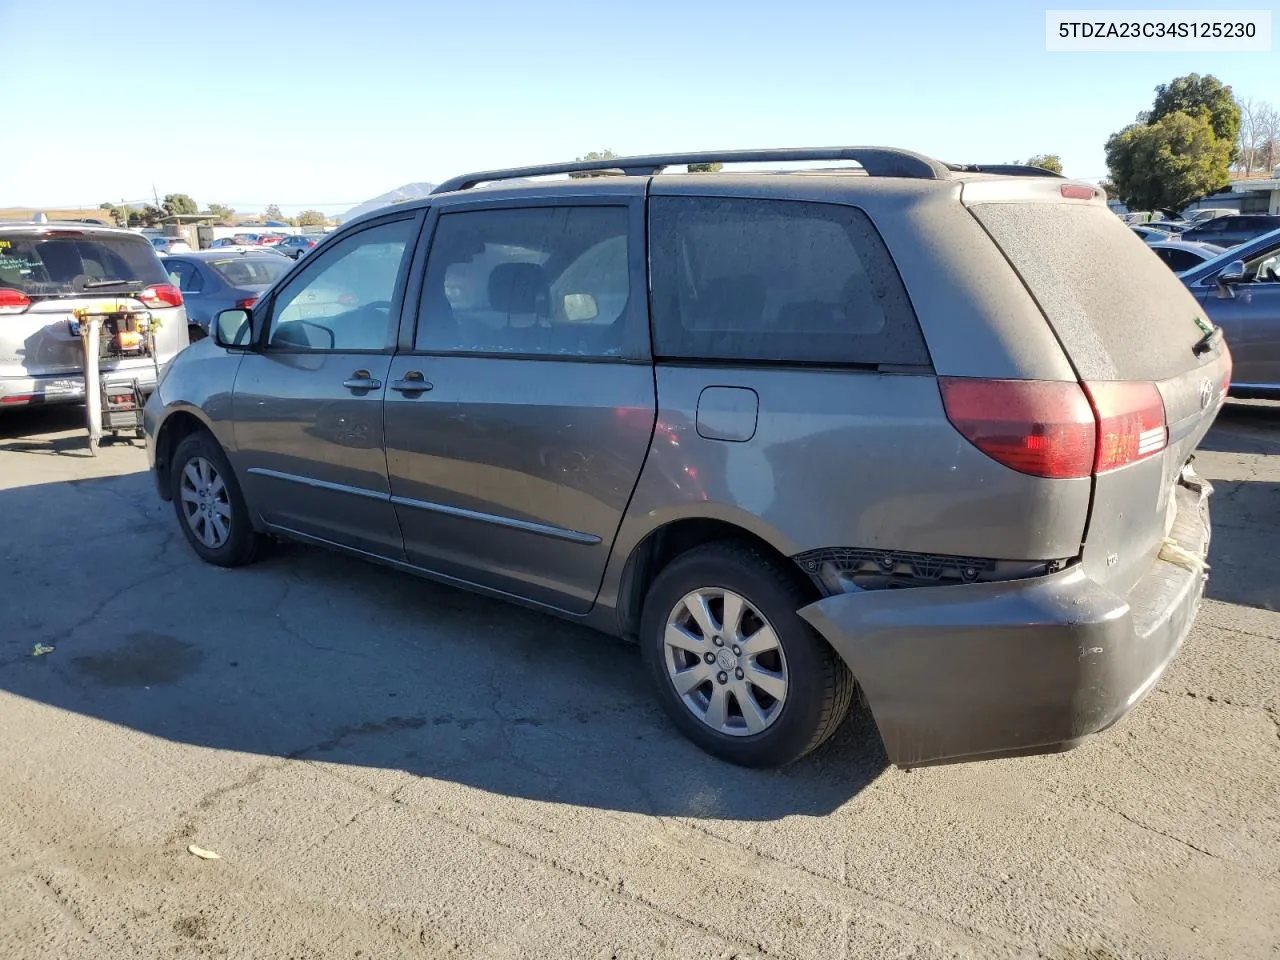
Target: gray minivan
x=918, y=429
x=48, y=270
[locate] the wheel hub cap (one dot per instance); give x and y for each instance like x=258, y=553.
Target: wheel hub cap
x=725, y=662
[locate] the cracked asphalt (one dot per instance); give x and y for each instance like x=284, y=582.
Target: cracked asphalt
x=388, y=768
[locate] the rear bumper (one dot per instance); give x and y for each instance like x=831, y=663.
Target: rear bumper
x=67, y=387
x=1031, y=666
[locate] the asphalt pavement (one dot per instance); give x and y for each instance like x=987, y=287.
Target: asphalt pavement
x=390, y=768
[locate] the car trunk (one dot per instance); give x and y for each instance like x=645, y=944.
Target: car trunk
x=41, y=342
x=1123, y=320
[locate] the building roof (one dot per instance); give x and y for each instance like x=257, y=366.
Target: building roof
x=1248, y=186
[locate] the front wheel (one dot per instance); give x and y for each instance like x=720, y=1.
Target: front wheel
x=210, y=507
x=736, y=668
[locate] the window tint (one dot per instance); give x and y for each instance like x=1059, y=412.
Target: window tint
x=184, y=276
x=782, y=280
x=342, y=301
x=250, y=271
x=1178, y=259
x=39, y=264
x=539, y=280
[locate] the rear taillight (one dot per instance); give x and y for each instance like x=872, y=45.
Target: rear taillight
x=1131, y=422
x=1055, y=428
x=1075, y=191
x=246, y=303
x=161, y=295
x=13, y=301
x=1041, y=427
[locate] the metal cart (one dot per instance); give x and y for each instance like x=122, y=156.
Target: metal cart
x=113, y=330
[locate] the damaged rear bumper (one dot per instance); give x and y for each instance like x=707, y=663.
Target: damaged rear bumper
x=1030, y=666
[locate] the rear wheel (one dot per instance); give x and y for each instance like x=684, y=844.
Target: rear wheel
x=210, y=507
x=736, y=668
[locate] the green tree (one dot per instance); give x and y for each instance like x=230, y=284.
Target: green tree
x=1193, y=93
x=705, y=167
x=1048, y=161
x=273, y=212
x=178, y=203
x=311, y=218
x=222, y=212
x=605, y=154
x=148, y=216
x=1166, y=164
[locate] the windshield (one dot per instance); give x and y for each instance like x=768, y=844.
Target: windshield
x=42, y=264
x=242, y=272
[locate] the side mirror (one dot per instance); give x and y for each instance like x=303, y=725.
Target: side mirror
x=1230, y=275
x=231, y=328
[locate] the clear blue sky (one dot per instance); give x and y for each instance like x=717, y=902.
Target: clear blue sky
x=324, y=104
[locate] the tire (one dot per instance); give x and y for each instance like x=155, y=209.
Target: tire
x=222, y=535
x=817, y=688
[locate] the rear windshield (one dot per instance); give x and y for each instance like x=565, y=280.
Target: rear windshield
x=240, y=272
x=44, y=265
x=1119, y=312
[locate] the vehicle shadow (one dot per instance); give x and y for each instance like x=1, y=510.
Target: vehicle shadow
x=1244, y=540
x=20, y=423
x=1245, y=426
x=314, y=656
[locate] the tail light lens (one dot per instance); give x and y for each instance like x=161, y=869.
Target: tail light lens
x=13, y=301
x=1058, y=429
x=161, y=295
x=1040, y=427
x=1131, y=422
x=246, y=303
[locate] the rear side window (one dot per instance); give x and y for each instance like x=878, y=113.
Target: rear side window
x=40, y=264
x=776, y=280
x=1119, y=312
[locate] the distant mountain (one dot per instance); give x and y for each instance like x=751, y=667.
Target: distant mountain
x=410, y=191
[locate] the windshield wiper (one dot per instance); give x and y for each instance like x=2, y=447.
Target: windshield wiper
x=1206, y=343
x=94, y=284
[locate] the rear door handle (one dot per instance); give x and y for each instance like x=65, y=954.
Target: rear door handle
x=413, y=382
x=361, y=380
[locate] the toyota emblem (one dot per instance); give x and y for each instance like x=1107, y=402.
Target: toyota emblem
x=1206, y=393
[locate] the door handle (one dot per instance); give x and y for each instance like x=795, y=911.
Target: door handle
x=413, y=382
x=361, y=380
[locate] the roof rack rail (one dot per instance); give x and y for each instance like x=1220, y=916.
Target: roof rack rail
x=1005, y=169
x=876, y=161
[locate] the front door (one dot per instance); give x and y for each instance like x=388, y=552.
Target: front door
x=1249, y=314
x=520, y=411
x=307, y=405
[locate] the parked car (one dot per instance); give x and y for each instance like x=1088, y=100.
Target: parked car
x=786, y=436
x=213, y=280
x=1152, y=235
x=48, y=270
x=1240, y=291
x=1174, y=227
x=228, y=245
x=296, y=246
x=1182, y=255
x=1205, y=214
x=246, y=239
x=1228, y=231
x=165, y=245
x=270, y=239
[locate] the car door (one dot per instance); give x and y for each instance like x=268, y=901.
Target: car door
x=521, y=406
x=189, y=278
x=307, y=403
x=1249, y=314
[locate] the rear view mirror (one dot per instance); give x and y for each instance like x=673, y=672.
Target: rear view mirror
x=1231, y=274
x=579, y=307
x=231, y=328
